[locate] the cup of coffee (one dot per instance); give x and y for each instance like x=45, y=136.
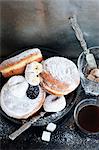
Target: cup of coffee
x=86, y=116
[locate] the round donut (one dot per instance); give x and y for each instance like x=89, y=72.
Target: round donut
x=59, y=76
x=32, y=78
x=32, y=72
x=54, y=104
x=20, y=107
x=34, y=67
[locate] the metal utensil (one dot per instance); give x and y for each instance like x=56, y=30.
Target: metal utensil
x=89, y=56
x=25, y=126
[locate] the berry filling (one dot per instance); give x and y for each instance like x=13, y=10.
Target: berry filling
x=32, y=92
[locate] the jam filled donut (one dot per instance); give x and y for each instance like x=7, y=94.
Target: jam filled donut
x=54, y=104
x=59, y=76
x=23, y=101
x=32, y=72
x=16, y=64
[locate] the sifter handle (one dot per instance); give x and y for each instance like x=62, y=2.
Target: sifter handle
x=78, y=33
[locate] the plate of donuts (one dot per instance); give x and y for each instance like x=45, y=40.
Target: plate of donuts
x=36, y=80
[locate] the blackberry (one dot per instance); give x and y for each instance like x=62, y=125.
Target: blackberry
x=32, y=92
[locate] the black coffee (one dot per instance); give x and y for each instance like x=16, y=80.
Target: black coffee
x=88, y=118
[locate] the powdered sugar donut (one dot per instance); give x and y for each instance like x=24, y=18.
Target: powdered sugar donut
x=60, y=76
x=32, y=72
x=54, y=104
x=34, y=67
x=32, y=78
x=16, y=65
x=19, y=107
x=17, y=86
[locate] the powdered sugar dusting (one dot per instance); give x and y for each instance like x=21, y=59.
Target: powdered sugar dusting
x=17, y=107
x=54, y=104
x=20, y=56
x=62, y=69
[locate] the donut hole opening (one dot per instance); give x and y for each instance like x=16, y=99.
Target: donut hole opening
x=54, y=99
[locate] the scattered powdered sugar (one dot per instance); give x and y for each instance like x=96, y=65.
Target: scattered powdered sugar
x=52, y=117
x=68, y=137
x=73, y=140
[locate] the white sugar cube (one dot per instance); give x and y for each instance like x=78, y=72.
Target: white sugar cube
x=46, y=136
x=51, y=127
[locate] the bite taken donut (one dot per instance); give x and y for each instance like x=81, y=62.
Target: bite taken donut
x=54, y=104
x=59, y=76
x=16, y=65
x=32, y=72
x=20, y=100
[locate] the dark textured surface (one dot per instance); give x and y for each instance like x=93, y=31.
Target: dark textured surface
x=26, y=23
x=45, y=23
x=65, y=137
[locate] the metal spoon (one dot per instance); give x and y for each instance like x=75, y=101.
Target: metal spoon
x=89, y=56
x=25, y=126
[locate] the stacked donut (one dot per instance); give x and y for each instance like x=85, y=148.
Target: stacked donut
x=59, y=77
x=25, y=92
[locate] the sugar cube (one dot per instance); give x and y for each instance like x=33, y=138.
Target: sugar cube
x=46, y=136
x=51, y=127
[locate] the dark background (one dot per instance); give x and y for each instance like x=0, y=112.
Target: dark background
x=44, y=23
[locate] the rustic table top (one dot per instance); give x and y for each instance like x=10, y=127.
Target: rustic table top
x=65, y=137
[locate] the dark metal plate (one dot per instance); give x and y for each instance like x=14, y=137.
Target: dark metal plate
x=49, y=117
